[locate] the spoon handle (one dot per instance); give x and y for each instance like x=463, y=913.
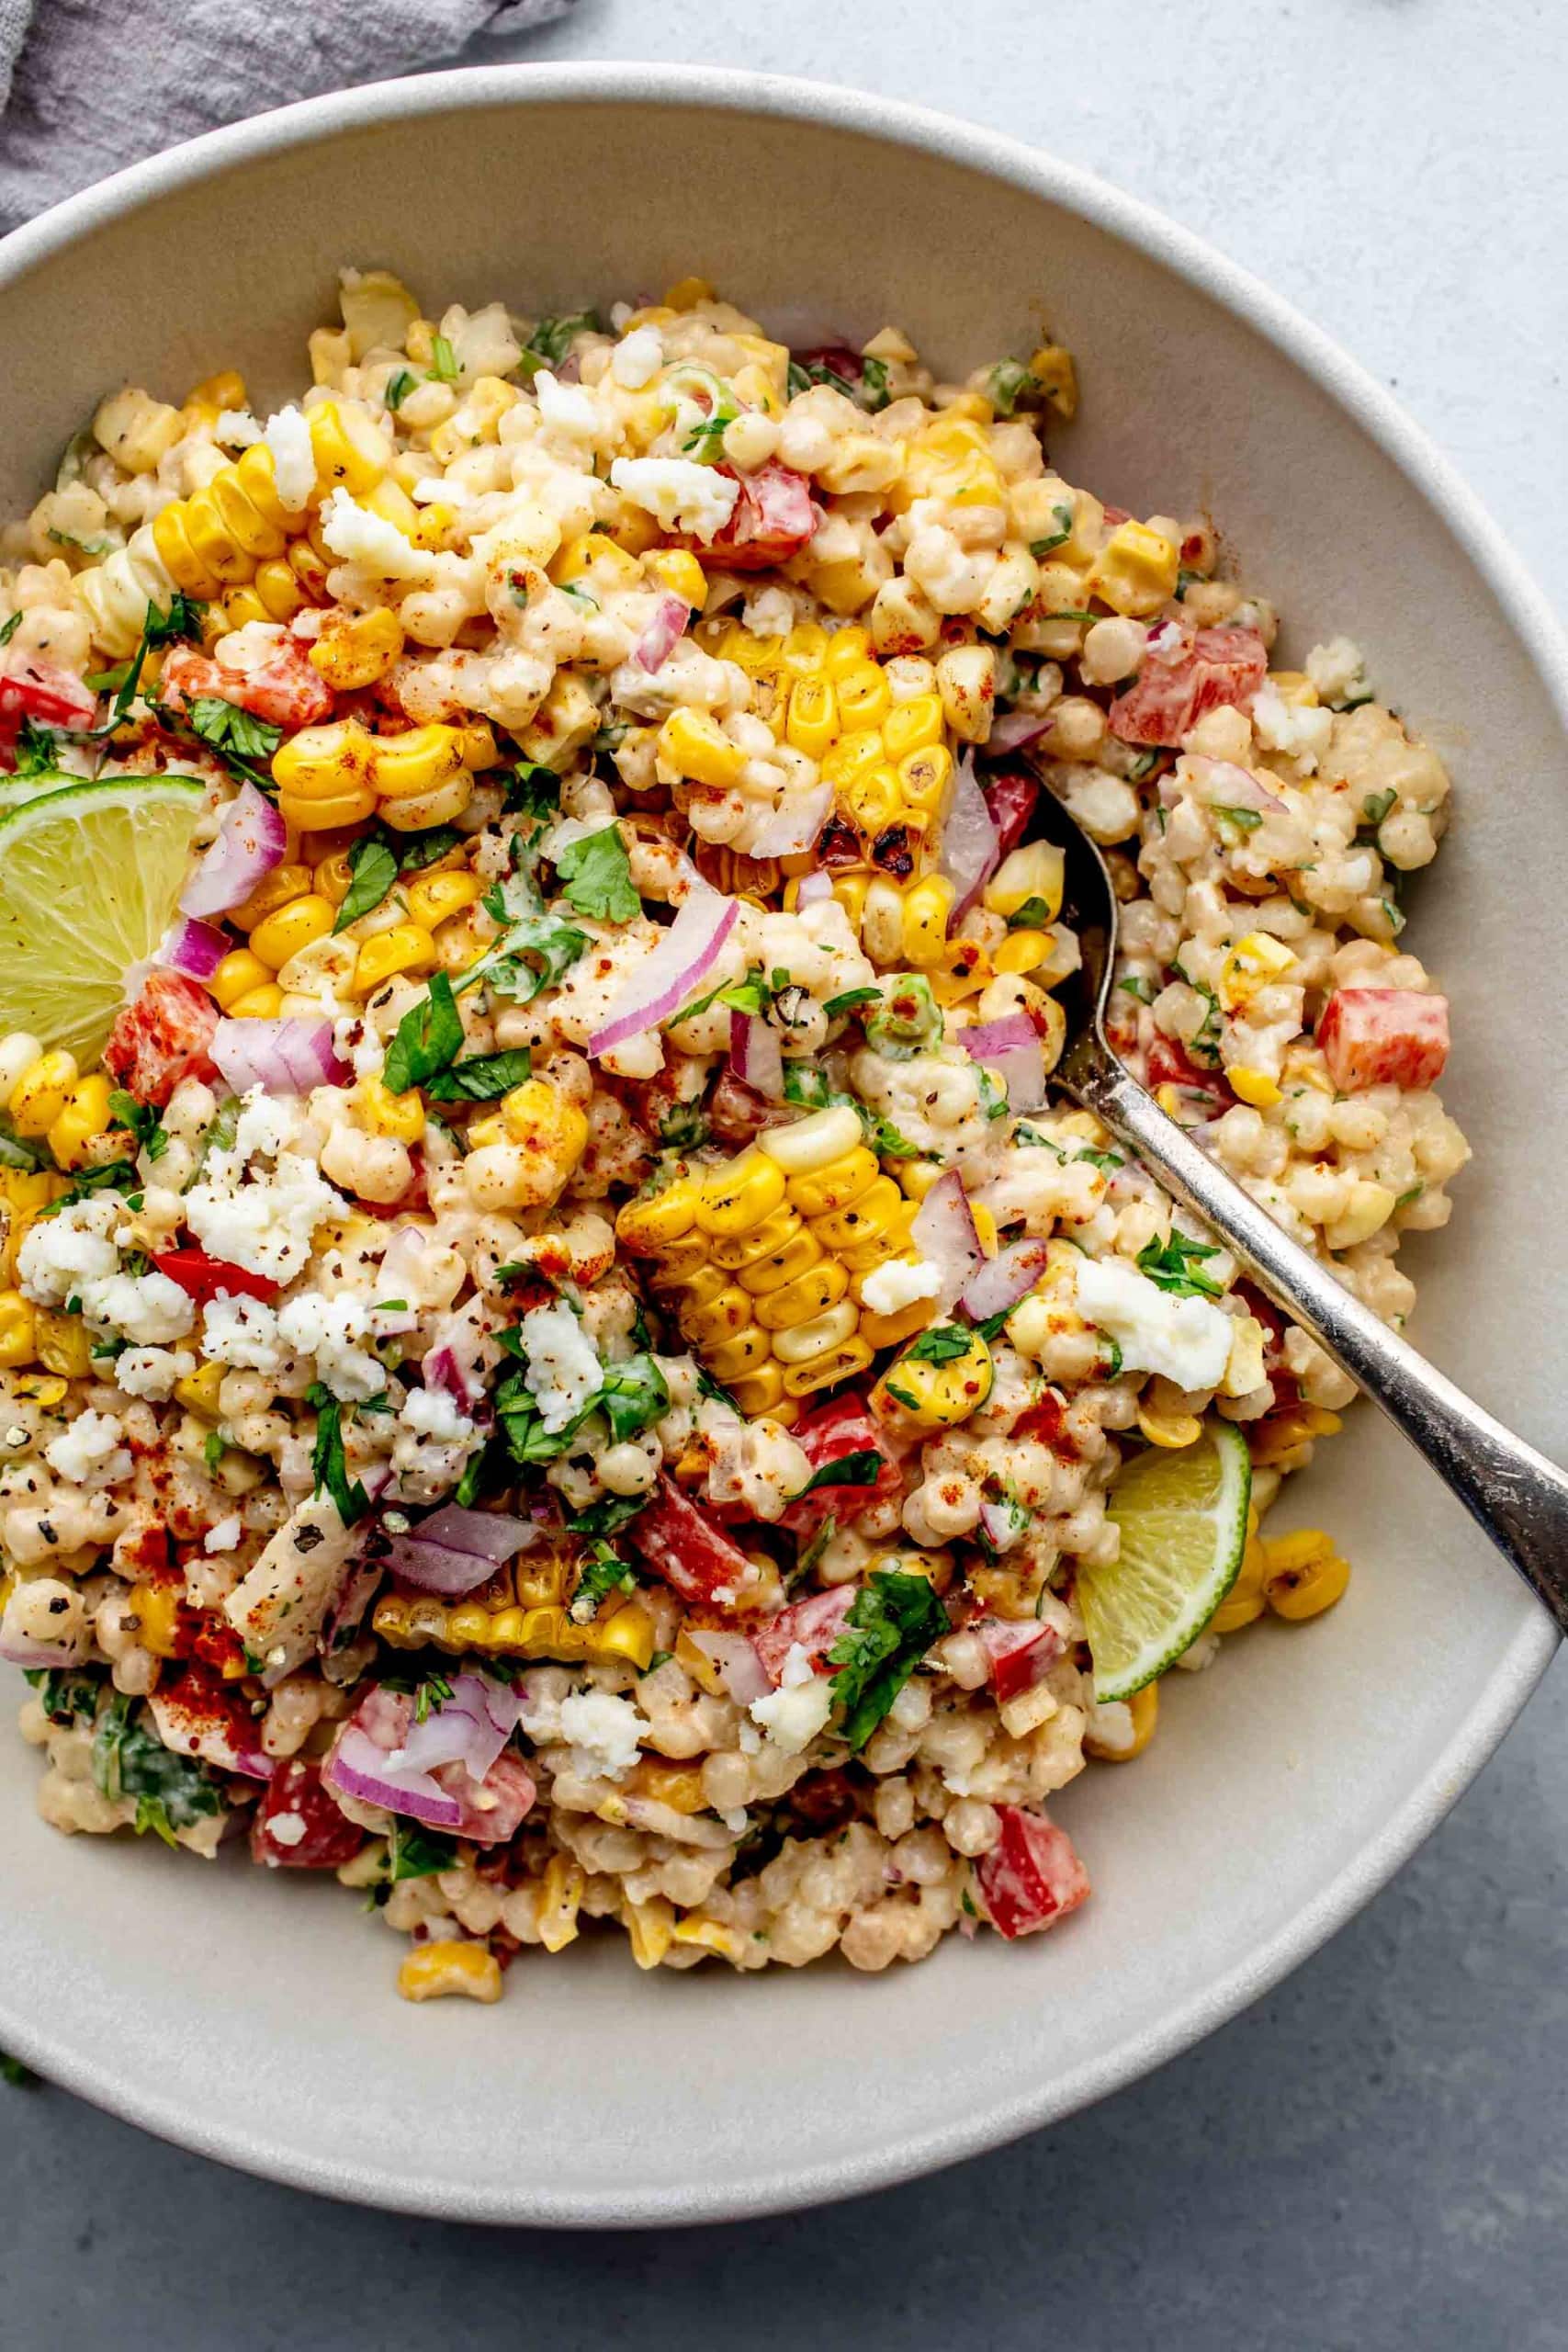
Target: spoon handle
x=1514, y=1493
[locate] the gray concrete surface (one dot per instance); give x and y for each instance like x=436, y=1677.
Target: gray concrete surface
x=1372, y=2159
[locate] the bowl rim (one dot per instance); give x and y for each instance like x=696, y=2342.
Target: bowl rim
x=1513, y=1674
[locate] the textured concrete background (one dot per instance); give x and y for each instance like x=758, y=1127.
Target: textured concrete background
x=1374, y=2157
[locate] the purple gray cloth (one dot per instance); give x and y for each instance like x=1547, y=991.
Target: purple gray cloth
x=88, y=85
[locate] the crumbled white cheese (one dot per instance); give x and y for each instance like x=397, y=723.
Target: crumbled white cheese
x=1339, y=671
x=563, y=1368
x=1187, y=1339
x=285, y=1828
x=147, y=1309
x=242, y=1331
x=89, y=1453
x=267, y=1225
x=430, y=1412
x=769, y=612
x=794, y=1714
x=224, y=1536
x=60, y=1253
x=679, y=494
x=567, y=407
x=603, y=1731
x=899, y=1284
x=236, y=428
x=1111, y=1725
x=1301, y=733
x=637, y=358
x=352, y=532
x=326, y=1328
x=153, y=1371
x=267, y=1125
x=293, y=459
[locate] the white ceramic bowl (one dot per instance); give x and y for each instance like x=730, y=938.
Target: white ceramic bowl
x=253, y=2015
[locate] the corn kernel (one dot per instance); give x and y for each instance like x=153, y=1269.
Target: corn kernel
x=40, y=1093
x=695, y=747
x=62, y=1344
x=383, y=1112
x=923, y=1395
x=18, y=1330
x=1035, y=871
x=84, y=1117
x=1251, y=965
x=873, y=800
x=650, y=1927
x=1135, y=572
x=157, y=1607
x=812, y=723
x=355, y=650
x=863, y=693
x=1254, y=1086
x=434, y=896
x=258, y=1004
x=236, y=976
x=435, y=1970
x=198, y=1392
x=417, y=760
x=295, y=926
x=1052, y=369
x=406, y=947
x=923, y=777
x=681, y=572
x=1170, y=1430
x=1304, y=1574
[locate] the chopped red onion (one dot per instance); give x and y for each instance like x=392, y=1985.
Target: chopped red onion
x=1002, y=1280
x=251, y=842
x=1014, y=728
x=756, y=1056
x=361, y=1770
x=1232, y=785
x=741, y=1671
x=288, y=1057
x=471, y=1728
x=667, y=978
x=20, y=1649
x=662, y=634
x=461, y=1352
x=969, y=852
x=194, y=948
x=944, y=1232
x=1002, y=1526
x=791, y=831
x=456, y=1550
x=1012, y=1048
x=813, y=888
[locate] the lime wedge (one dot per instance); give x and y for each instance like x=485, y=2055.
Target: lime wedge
x=1183, y=1521
x=89, y=875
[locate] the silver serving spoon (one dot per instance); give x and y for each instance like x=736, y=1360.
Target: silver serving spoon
x=1519, y=1498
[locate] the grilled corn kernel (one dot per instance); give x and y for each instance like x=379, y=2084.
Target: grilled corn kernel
x=1144, y=1709
x=355, y=649
x=1171, y=1430
x=157, y=1607
x=1024, y=951
x=1304, y=1574
x=18, y=1330
x=696, y=747
x=333, y=762
x=923, y=1395
x=435, y=895
x=811, y=724
x=198, y=1392
x=449, y=1966
x=40, y=1093
x=479, y=749
x=258, y=1004
x=926, y=911
x=738, y=1197
x=863, y=693
x=383, y=1112
x=62, y=1344
x=84, y=1117
x=236, y=976
x=278, y=888
x=1252, y=964
x=1035, y=871
x=406, y=947
x=650, y=1927
x=297, y=925
x=923, y=777
x=1254, y=1086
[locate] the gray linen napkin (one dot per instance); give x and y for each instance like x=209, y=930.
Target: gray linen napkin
x=87, y=86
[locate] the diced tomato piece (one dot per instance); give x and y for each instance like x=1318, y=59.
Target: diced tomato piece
x=1018, y=1654
x=1031, y=1877
x=297, y=1826
x=825, y=1434
x=162, y=1037
x=489, y=1811
x=1167, y=699
x=284, y=690
x=836, y=356
x=202, y=1277
x=825, y=1800
x=1011, y=797
x=692, y=1555
x=1383, y=1037
x=813, y=1626
x=773, y=519
x=47, y=695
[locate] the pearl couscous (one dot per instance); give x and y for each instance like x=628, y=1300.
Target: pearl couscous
x=563, y=1361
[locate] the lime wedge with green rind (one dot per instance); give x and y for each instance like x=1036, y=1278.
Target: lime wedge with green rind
x=1182, y=1515
x=89, y=875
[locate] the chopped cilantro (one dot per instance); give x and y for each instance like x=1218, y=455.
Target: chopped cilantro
x=1240, y=820
x=1175, y=1265
x=400, y=384
x=1063, y=518
x=603, y=1519
x=553, y=338
x=893, y=1621
x=129, y=1760
x=859, y=1469
x=603, y=1573
x=212, y=1450
x=143, y=1121
x=941, y=1344
x=115, y=1176
x=329, y=1466
x=1007, y=380
x=531, y=790
x=1376, y=806
x=482, y=1078
x=683, y=1129
x=37, y=750
x=511, y=970
x=12, y=626
x=416, y=851
x=634, y=1395
x=1134, y=984
x=596, y=873
x=990, y=1326
x=227, y=728
x=1033, y=915
x=66, y=1697
x=429, y=1038
x=373, y=869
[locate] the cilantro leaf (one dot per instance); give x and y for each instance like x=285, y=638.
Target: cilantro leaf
x=862, y=1469
x=373, y=869
x=1174, y=1266
x=429, y=1038
x=555, y=942
x=129, y=1760
x=892, y=1623
x=603, y=1573
x=941, y=1344
x=596, y=873
x=1033, y=915
x=634, y=1396
x=1134, y=984
x=604, y=1517
x=143, y=1119
x=37, y=750
x=227, y=728
x=12, y=626
x=1007, y=380
x=482, y=1078
x=553, y=338
x=531, y=790
x=329, y=1465
x=1063, y=518
x=66, y=1697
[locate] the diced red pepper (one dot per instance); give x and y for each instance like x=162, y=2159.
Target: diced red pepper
x=690, y=1550
x=1170, y=1064
x=201, y=1277
x=1010, y=796
x=1383, y=1037
x=298, y=1825
x=812, y=1625
x=162, y=1039
x=827, y=1434
x=1019, y=1653
x=1167, y=699
x=1031, y=1877
x=771, y=520
x=47, y=695
x=284, y=690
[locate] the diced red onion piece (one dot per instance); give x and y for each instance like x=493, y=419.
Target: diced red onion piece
x=20, y=1649
x=361, y=1770
x=1002, y=1280
x=756, y=1056
x=194, y=948
x=437, y=1568
x=791, y=831
x=251, y=842
x=1003, y=1530
x=1014, y=728
x=493, y=1535
x=288, y=1057
x=969, y=852
x=1013, y=1050
x=672, y=975
x=471, y=1728
x=741, y=1670
x=814, y=887
x=662, y=634
x=1232, y=786
x=944, y=1232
